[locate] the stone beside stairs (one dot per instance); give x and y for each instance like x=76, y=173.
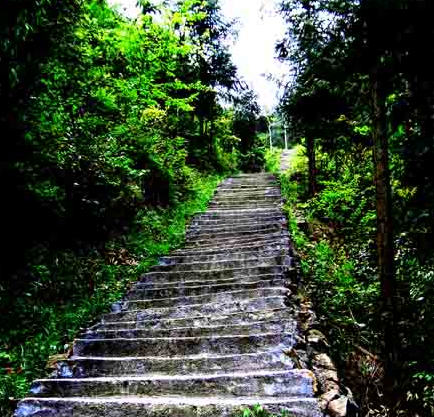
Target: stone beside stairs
x=207, y=332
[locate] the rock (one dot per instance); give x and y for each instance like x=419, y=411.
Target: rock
x=327, y=397
x=338, y=407
x=322, y=360
x=328, y=379
x=316, y=337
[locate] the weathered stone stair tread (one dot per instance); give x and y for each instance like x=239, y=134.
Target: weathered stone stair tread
x=192, y=290
x=206, y=228
x=194, y=282
x=223, y=264
x=189, y=300
x=203, y=275
x=258, y=247
x=250, y=244
x=84, y=367
x=247, y=255
x=249, y=305
x=281, y=313
x=227, y=243
x=233, y=230
x=293, y=382
x=205, y=333
x=185, y=406
x=229, y=237
x=180, y=346
x=251, y=328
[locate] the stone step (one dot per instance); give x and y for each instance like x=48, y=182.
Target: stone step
x=211, y=223
x=234, y=229
x=232, y=205
x=219, y=218
x=263, y=303
x=182, y=346
x=228, y=255
x=231, y=241
x=292, y=382
x=223, y=264
x=197, y=275
x=246, y=213
x=273, y=326
x=196, y=281
x=254, y=179
x=210, y=288
x=82, y=367
x=248, y=186
x=246, y=199
x=278, y=241
x=179, y=406
x=230, y=319
x=250, y=195
x=256, y=182
x=252, y=212
x=281, y=243
x=224, y=297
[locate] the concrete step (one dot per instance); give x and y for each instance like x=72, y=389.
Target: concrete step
x=233, y=240
x=252, y=212
x=232, y=205
x=223, y=264
x=292, y=382
x=230, y=319
x=182, y=346
x=240, y=229
x=196, y=281
x=197, y=275
x=211, y=288
x=224, y=224
x=238, y=329
x=246, y=199
x=87, y=367
x=241, y=247
x=250, y=194
x=225, y=297
x=228, y=255
x=249, y=305
x=178, y=406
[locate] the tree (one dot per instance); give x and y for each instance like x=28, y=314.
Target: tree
x=201, y=24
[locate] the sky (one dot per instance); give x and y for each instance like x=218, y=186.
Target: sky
x=259, y=27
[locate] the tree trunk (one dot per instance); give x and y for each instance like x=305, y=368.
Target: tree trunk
x=310, y=148
x=385, y=246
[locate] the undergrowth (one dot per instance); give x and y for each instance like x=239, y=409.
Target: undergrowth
x=259, y=411
x=87, y=282
x=334, y=234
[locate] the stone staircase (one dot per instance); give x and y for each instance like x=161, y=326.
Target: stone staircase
x=207, y=332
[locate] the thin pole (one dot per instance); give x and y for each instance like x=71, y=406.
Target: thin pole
x=270, y=132
x=286, y=137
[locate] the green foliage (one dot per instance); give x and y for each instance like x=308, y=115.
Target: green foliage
x=272, y=160
x=259, y=411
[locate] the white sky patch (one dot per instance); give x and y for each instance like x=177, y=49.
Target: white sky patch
x=127, y=7
x=259, y=28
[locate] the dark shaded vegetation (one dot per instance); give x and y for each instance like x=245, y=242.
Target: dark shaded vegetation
x=361, y=103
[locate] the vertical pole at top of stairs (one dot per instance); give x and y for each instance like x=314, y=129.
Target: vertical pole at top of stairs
x=286, y=137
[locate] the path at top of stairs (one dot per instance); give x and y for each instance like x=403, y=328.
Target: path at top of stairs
x=204, y=333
